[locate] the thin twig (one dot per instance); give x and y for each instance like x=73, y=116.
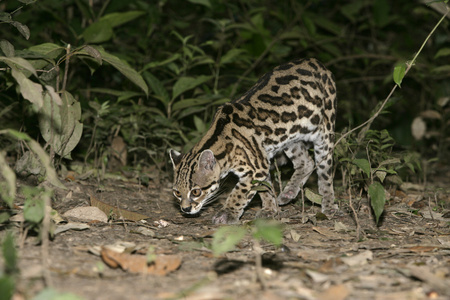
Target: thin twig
x=258, y=264
x=45, y=241
x=409, y=65
x=66, y=68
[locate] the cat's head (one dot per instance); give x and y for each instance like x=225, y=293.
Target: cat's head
x=196, y=179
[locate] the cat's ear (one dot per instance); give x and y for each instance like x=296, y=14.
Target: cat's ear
x=207, y=161
x=175, y=157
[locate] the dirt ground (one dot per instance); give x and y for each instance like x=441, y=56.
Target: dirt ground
x=406, y=257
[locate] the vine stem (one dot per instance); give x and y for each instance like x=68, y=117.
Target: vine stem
x=408, y=67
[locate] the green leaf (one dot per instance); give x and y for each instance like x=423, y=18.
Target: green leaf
x=269, y=230
x=92, y=52
x=60, y=124
x=30, y=90
x=231, y=56
x=377, y=199
x=186, y=83
x=51, y=294
x=7, y=286
x=51, y=175
x=9, y=254
x=8, y=186
x=155, y=64
x=18, y=63
x=226, y=238
x=185, y=103
x=199, y=124
x=442, y=52
x=381, y=10
x=363, y=164
x=202, y=2
x=7, y=48
x=33, y=209
x=117, y=19
x=123, y=68
x=158, y=88
x=399, y=73
x=313, y=197
x=102, y=30
x=98, y=32
x=23, y=29
x=441, y=69
x=309, y=24
x=48, y=50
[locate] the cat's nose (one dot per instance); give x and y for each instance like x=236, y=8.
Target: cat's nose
x=186, y=209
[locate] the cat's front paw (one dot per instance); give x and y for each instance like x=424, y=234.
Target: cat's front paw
x=226, y=216
x=287, y=195
x=266, y=214
x=332, y=211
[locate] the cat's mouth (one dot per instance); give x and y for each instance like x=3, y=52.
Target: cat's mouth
x=192, y=209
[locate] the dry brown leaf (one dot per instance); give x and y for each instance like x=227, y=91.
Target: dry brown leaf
x=336, y=292
x=109, y=209
x=133, y=263
x=420, y=249
x=418, y=128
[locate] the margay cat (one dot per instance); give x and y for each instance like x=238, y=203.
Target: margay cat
x=287, y=110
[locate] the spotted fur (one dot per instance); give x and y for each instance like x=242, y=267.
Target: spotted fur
x=288, y=110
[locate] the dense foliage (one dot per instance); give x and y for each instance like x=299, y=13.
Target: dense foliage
x=190, y=60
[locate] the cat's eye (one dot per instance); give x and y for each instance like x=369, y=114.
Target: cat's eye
x=177, y=193
x=196, y=192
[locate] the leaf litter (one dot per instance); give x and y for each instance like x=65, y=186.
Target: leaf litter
x=168, y=255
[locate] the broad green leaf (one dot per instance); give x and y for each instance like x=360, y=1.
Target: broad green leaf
x=64, y=131
x=119, y=18
x=231, y=56
x=23, y=29
x=381, y=175
x=51, y=294
x=48, y=50
x=381, y=10
x=186, y=83
x=313, y=197
x=155, y=64
x=157, y=88
x=8, y=186
x=54, y=95
x=123, y=68
x=326, y=24
x=441, y=69
x=92, y=52
x=226, y=238
x=442, y=52
x=18, y=62
x=98, y=32
x=102, y=30
x=202, y=2
x=399, y=73
x=33, y=209
x=269, y=230
x=9, y=254
x=309, y=24
x=377, y=199
x=29, y=89
x=351, y=10
x=363, y=164
x=199, y=124
x=46, y=163
x=182, y=104
x=7, y=48
x=7, y=286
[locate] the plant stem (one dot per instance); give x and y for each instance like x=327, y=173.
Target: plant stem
x=377, y=113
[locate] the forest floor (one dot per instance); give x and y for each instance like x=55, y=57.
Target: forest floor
x=407, y=256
